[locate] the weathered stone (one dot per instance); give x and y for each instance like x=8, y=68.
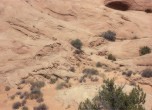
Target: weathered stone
x=139, y=5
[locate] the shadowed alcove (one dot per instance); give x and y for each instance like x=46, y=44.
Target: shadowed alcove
x=118, y=5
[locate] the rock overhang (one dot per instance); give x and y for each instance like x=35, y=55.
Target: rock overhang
x=124, y=5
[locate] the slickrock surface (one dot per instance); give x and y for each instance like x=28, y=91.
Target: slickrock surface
x=35, y=38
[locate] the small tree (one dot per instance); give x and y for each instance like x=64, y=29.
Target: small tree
x=112, y=97
x=77, y=44
x=144, y=50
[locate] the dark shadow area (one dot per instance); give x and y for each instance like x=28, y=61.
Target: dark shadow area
x=148, y=10
x=118, y=6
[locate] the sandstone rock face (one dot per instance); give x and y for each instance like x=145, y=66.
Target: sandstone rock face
x=35, y=38
x=140, y=5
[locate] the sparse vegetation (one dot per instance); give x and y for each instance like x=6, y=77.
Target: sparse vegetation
x=77, y=44
x=23, y=102
x=128, y=73
x=35, y=93
x=72, y=69
x=24, y=108
x=63, y=85
x=53, y=80
x=12, y=97
x=111, y=57
x=98, y=64
x=91, y=71
x=82, y=79
x=147, y=73
x=36, y=89
x=60, y=86
x=38, y=84
x=144, y=50
x=112, y=97
x=41, y=107
x=109, y=35
x=7, y=88
x=16, y=105
x=39, y=100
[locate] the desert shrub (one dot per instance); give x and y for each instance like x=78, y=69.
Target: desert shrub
x=12, y=97
x=35, y=90
x=144, y=50
x=147, y=73
x=18, y=93
x=35, y=93
x=111, y=57
x=109, y=35
x=98, y=64
x=77, y=44
x=78, y=52
x=39, y=100
x=41, y=107
x=24, y=108
x=72, y=69
x=87, y=105
x=82, y=79
x=112, y=97
x=38, y=84
x=22, y=81
x=26, y=95
x=53, y=80
x=16, y=105
x=23, y=102
x=91, y=71
x=7, y=88
x=60, y=86
x=63, y=85
x=128, y=73
x=94, y=79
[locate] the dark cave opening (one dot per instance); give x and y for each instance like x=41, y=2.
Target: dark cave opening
x=148, y=10
x=117, y=5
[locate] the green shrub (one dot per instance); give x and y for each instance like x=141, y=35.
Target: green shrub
x=147, y=73
x=144, y=50
x=112, y=97
x=109, y=35
x=111, y=57
x=77, y=44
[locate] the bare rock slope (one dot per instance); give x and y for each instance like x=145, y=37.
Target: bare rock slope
x=35, y=38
